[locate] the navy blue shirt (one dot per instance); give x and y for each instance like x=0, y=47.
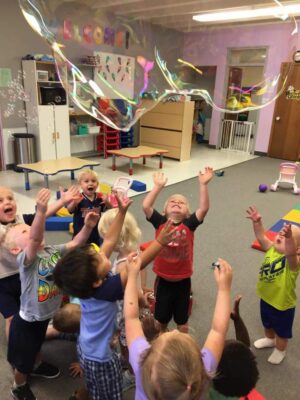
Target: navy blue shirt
x=86, y=205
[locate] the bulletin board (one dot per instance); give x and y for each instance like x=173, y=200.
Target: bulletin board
x=114, y=74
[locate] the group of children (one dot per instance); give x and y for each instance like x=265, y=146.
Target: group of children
x=162, y=364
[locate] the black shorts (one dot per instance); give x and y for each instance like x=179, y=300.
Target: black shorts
x=172, y=300
x=10, y=292
x=24, y=343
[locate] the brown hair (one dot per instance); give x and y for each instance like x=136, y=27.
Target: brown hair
x=172, y=368
x=67, y=318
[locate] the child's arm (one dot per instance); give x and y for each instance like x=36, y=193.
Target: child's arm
x=159, y=181
x=70, y=195
x=112, y=236
x=37, y=229
x=290, y=247
x=133, y=326
x=90, y=221
x=241, y=331
x=216, y=337
x=258, y=228
x=204, y=179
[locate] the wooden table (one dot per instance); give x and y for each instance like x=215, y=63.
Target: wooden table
x=136, y=152
x=53, y=167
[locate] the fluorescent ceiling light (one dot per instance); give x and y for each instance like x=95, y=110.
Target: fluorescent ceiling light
x=249, y=13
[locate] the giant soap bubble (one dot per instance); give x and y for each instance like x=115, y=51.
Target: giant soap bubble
x=116, y=68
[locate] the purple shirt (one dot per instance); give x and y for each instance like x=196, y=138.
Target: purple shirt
x=140, y=344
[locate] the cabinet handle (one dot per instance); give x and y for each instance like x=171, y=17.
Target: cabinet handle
x=57, y=135
x=53, y=136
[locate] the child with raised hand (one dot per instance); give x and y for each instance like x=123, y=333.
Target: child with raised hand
x=276, y=285
x=88, y=200
x=85, y=273
x=173, y=366
x=10, y=285
x=40, y=298
x=174, y=265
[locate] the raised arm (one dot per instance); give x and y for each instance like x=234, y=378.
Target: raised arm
x=37, y=229
x=159, y=181
x=291, y=250
x=133, y=324
x=217, y=335
x=71, y=195
x=204, y=179
x=113, y=233
x=90, y=221
x=259, y=231
x=241, y=331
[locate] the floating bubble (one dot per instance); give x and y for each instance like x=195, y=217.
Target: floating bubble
x=116, y=68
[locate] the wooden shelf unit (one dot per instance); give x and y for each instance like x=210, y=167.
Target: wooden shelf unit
x=169, y=126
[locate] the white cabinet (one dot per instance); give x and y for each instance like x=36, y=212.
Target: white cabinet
x=49, y=123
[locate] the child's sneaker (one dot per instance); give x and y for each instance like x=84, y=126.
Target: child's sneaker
x=264, y=342
x=46, y=370
x=277, y=357
x=22, y=393
x=128, y=381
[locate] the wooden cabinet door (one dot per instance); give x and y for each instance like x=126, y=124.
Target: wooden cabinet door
x=285, y=135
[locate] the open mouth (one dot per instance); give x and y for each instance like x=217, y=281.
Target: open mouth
x=8, y=210
x=90, y=189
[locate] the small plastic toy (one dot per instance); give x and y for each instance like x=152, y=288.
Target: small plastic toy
x=287, y=174
x=263, y=188
x=120, y=187
x=215, y=264
x=220, y=173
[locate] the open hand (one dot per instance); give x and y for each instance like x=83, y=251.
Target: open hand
x=42, y=199
x=123, y=204
x=159, y=179
x=133, y=263
x=72, y=194
x=167, y=234
x=253, y=214
x=206, y=176
x=75, y=370
x=286, y=231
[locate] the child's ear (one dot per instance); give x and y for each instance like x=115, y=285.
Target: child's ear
x=97, y=283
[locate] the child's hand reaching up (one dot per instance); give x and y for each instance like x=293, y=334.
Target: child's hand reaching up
x=159, y=179
x=167, y=234
x=206, y=176
x=123, y=204
x=235, y=313
x=223, y=275
x=42, y=199
x=286, y=231
x=71, y=195
x=91, y=219
x=133, y=264
x=253, y=214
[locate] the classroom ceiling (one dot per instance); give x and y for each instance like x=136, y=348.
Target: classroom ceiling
x=177, y=14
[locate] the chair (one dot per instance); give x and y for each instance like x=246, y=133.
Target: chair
x=287, y=174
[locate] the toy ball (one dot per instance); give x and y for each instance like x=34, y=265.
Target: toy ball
x=262, y=188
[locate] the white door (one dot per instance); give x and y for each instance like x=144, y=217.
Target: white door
x=46, y=141
x=62, y=129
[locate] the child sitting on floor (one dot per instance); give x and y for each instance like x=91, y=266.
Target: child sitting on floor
x=40, y=298
x=276, y=285
x=173, y=366
x=174, y=265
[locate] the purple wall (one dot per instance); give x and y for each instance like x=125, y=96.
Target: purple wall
x=210, y=48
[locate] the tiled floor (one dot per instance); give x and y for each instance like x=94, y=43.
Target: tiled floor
x=175, y=171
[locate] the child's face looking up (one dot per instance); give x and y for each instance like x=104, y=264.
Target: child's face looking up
x=88, y=184
x=177, y=208
x=19, y=236
x=8, y=207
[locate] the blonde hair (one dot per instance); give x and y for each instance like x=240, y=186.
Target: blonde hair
x=87, y=172
x=7, y=240
x=172, y=368
x=174, y=196
x=130, y=235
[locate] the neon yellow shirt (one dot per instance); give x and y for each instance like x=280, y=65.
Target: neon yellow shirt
x=276, y=281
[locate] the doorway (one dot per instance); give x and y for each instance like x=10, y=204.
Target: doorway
x=285, y=134
x=245, y=71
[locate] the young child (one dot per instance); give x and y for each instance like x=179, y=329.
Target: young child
x=237, y=372
x=40, y=298
x=129, y=241
x=90, y=200
x=276, y=285
x=10, y=285
x=85, y=273
x=173, y=366
x=174, y=265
